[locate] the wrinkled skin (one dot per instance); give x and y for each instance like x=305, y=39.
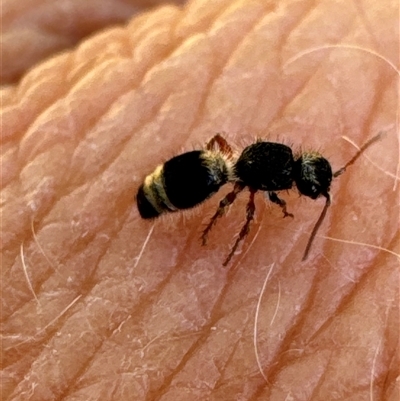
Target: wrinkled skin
x=35, y=29
x=98, y=304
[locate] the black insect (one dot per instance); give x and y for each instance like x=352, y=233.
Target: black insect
x=190, y=178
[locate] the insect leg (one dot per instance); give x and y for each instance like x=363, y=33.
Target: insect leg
x=273, y=197
x=219, y=141
x=223, y=205
x=250, y=210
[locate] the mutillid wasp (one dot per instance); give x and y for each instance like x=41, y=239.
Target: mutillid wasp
x=190, y=178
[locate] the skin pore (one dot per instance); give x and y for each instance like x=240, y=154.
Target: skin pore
x=100, y=304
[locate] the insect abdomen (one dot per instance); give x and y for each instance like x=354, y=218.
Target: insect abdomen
x=181, y=183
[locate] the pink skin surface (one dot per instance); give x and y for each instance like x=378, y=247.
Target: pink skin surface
x=32, y=30
x=98, y=304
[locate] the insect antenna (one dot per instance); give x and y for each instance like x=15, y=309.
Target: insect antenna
x=327, y=196
x=317, y=226
x=358, y=154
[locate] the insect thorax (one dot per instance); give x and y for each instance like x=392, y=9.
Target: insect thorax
x=266, y=166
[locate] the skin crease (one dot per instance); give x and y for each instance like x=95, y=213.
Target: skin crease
x=99, y=304
x=33, y=30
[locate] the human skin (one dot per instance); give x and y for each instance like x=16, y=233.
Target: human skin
x=100, y=304
x=32, y=30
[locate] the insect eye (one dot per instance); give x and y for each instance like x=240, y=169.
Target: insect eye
x=314, y=191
